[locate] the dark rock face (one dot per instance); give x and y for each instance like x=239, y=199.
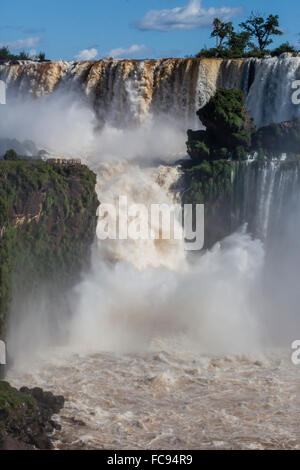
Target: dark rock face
x=47, y=225
x=275, y=139
x=25, y=417
x=210, y=183
x=230, y=133
x=214, y=179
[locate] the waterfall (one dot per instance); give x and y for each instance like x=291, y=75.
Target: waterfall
x=152, y=284
x=270, y=96
x=264, y=195
x=156, y=351
x=144, y=186
x=126, y=92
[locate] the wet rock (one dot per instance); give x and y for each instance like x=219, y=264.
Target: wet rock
x=25, y=417
x=278, y=138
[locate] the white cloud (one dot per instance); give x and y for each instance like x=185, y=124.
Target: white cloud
x=21, y=44
x=191, y=16
x=133, y=52
x=87, y=54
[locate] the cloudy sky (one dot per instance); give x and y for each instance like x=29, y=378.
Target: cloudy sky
x=90, y=29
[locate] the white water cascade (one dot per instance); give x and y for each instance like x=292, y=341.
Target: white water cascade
x=123, y=93
x=165, y=350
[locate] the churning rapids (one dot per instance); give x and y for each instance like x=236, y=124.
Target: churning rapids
x=165, y=350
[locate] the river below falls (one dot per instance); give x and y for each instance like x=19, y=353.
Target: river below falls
x=170, y=398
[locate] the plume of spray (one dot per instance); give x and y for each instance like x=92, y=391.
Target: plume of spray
x=211, y=303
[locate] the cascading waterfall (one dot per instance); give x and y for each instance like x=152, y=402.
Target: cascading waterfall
x=141, y=289
x=149, y=360
x=270, y=96
x=126, y=92
x=263, y=195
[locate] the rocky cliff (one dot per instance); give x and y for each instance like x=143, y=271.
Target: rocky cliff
x=47, y=225
x=25, y=417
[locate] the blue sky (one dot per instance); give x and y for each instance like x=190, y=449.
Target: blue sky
x=89, y=29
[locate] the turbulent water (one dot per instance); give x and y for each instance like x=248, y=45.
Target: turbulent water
x=170, y=353
x=164, y=349
x=171, y=398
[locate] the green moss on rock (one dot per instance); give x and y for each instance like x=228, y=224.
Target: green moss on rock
x=25, y=417
x=228, y=128
x=210, y=183
x=12, y=400
x=47, y=225
x=277, y=138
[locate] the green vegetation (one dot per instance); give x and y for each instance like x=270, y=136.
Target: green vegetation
x=228, y=129
x=210, y=183
x=15, y=409
x=231, y=134
x=6, y=55
x=262, y=29
x=252, y=40
x=25, y=417
x=221, y=31
x=10, y=155
x=285, y=47
x=47, y=224
x=277, y=138
x=218, y=154
x=11, y=399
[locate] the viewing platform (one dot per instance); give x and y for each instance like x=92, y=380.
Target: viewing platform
x=64, y=161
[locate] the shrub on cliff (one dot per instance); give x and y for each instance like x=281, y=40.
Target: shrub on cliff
x=283, y=48
x=47, y=225
x=11, y=155
x=228, y=128
x=278, y=138
x=6, y=55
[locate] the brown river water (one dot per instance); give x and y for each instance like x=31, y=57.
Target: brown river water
x=171, y=398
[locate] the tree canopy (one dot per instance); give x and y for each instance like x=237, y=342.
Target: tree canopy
x=262, y=29
x=221, y=31
x=6, y=55
x=256, y=33
x=11, y=155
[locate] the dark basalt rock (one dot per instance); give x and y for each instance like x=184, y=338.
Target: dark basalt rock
x=278, y=138
x=25, y=417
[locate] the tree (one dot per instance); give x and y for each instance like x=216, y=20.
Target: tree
x=11, y=155
x=284, y=47
x=238, y=41
x=4, y=53
x=221, y=31
x=23, y=56
x=41, y=56
x=262, y=28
